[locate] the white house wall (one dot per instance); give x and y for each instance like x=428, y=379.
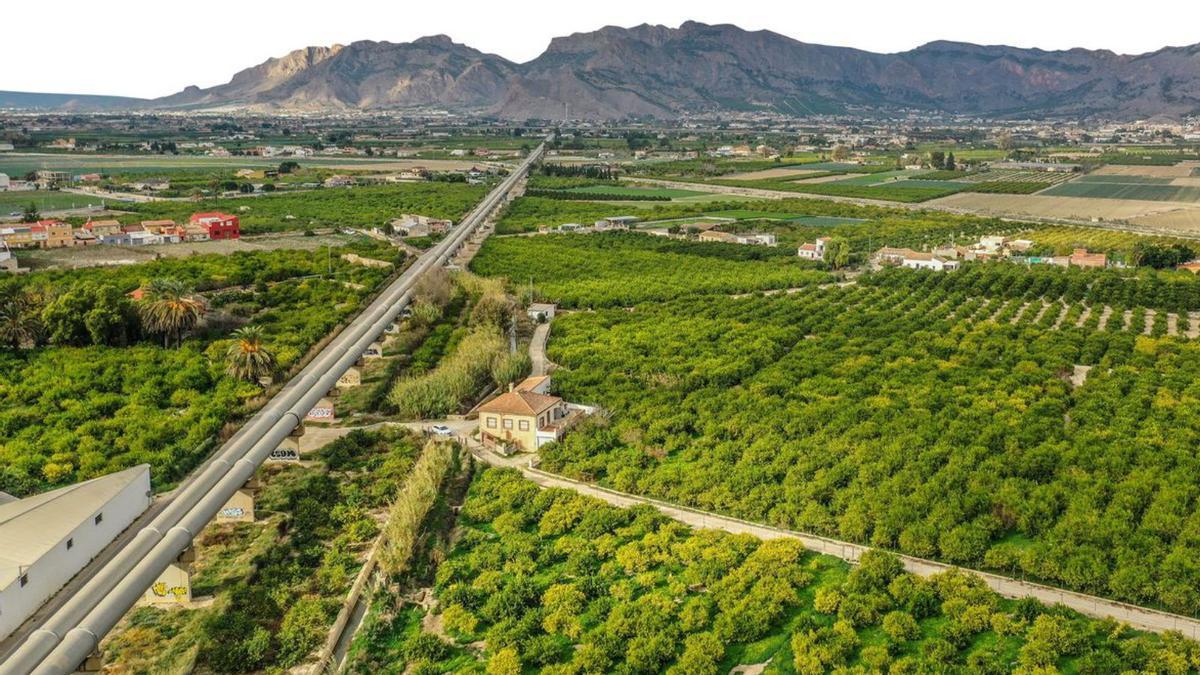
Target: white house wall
x=54, y=569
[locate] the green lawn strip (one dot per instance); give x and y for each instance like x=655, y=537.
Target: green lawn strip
x=47, y=200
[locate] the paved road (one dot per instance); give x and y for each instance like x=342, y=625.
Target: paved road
x=537, y=349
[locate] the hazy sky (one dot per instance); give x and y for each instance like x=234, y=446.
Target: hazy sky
x=156, y=47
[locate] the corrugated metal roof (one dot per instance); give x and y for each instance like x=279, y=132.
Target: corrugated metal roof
x=31, y=527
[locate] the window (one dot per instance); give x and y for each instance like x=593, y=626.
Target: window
x=99, y=518
x=507, y=424
x=70, y=544
x=523, y=425
x=24, y=580
x=491, y=422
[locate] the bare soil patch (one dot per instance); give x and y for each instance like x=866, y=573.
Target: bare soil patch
x=100, y=255
x=821, y=179
x=766, y=174
x=1180, y=220
x=1179, y=170
x=1040, y=206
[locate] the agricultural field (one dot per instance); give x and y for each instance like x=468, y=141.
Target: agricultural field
x=93, y=256
x=19, y=164
x=766, y=174
x=1069, y=208
x=103, y=389
x=725, y=167
x=1062, y=240
x=881, y=177
x=793, y=221
x=820, y=178
x=1186, y=220
x=527, y=214
x=1010, y=181
x=864, y=187
x=931, y=414
x=595, y=270
x=554, y=582
x=1180, y=170
x=358, y=207
x=866, y=228
x=797, y=218
x=1138, y=188
x=635, y=191
x=615, y=192
x=45, y=200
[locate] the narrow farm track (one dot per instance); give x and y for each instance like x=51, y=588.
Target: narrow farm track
x=1139, y=617
x=537, y=350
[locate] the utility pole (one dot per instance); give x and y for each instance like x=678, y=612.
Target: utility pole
x=512, y=335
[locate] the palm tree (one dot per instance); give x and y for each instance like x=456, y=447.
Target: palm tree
x=247, y=358
x=169, y=307
x=18, y=319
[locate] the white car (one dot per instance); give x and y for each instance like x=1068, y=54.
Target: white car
x=441, y=430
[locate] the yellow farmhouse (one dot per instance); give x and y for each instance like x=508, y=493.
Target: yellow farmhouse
x=522, y=419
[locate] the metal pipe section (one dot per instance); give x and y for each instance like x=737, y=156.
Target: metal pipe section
x=74, y=631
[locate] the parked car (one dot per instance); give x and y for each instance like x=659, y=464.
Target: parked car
x=441, y=430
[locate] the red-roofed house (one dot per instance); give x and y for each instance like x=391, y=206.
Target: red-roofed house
x=1081, y=258
x=813, y=251
x=219, y=225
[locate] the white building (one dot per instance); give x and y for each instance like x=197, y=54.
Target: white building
x=814, y=251
x=131, y=239
x=49, y=538
x=10, y=265
x=615, y=223
x=541, y=312
x=757, y=239
x=4, y=182
x=917, y=260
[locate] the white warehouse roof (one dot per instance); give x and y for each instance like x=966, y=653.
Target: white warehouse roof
x=32, y=527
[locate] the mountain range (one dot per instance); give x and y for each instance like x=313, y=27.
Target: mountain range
x=657, y=71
